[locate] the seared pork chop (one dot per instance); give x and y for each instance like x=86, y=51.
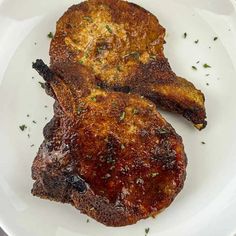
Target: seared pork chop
x=109, y=154
x=122, y=44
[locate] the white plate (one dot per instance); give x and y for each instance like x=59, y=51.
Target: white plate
x=207, y=204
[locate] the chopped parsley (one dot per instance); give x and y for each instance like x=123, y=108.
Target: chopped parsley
x=135, y=55
x=196, y=41
x=28, y=115
x=215, y=38
x=197, y=62
x=88, y=18
x=34, y=122
x=32, y=145
x=94, y=99
x=86, y=55
x=42, y=85
x=87, y=221
x=185, y=35
x=152, y=57
x=203, y=142
x=81, y=62
x=206, y=65
x=207, y=84
x=114, y=104
x=122, y=116
x=109, y=29
x=194, y=67
x=154, y=174
x=50, y=35
x=207, y=74
x=118, y=68
x=135, y=111
x=22, y=127
x=28, y=135
x=45, y=106
x=147, y=231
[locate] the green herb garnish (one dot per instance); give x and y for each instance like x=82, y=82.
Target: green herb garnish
x=122, y=116
x=34, y=122
x=194, y=67
x=203, y=142
x=118, y=68
x=109, y=29
x=135, y=111
x=23, y=127
x=81, y=62
x=206, y=66
x=152, y=57
x=94, y=99
x=86, y=54
x=135, y=55
x=147, y=231
x=215, y=38
x=50, y=35
x=42, y=85
x=207, y=84
x=185, y=35
x=87, y=221
x=196, y=41
x=154, y=174
x=88, y=18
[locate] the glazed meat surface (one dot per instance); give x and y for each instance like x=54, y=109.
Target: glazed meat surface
x=122, y=44
x=109, y=154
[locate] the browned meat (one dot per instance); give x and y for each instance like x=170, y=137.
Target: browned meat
x=109, y=154
x=122, y=44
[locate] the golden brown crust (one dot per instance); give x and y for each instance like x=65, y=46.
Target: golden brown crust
x=111, y=38
x=113, y=156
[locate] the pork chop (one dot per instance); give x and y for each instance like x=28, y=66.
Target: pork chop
x=109, y=154
x=122, y=44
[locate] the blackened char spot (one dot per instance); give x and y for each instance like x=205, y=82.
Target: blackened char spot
x=124, y=89
x=50, y=128
x=77, y=182
x=111, y=146
x=165, y=155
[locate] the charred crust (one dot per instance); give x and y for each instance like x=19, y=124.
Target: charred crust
x=43, y=69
